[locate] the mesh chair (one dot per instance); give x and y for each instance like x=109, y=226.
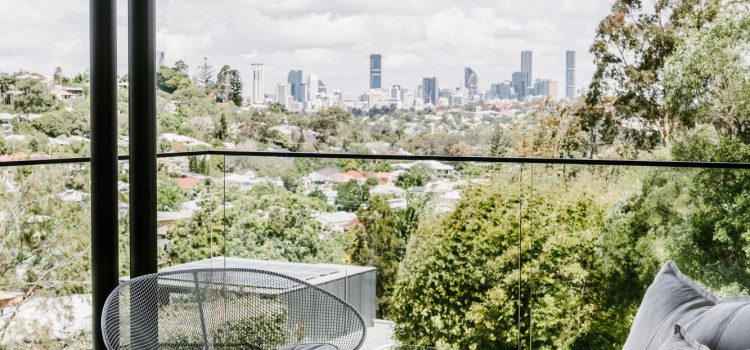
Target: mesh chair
x=228, y=309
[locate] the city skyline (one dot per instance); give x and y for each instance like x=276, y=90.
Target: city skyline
x=417, y=38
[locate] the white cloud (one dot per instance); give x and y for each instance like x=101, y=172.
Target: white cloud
x=332, y=38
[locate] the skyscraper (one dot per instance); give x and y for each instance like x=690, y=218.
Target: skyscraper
x=295, y=80
x=430, y=90
x=160, y=58
x=471, y=81
x=312, y=87
x=570, y=75
x=520, y=85
x=259, y=96
x=526, y=66
x=502, y=91
x=376, y=71
x=284, y=94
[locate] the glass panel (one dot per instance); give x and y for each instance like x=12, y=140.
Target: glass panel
x=442, y=236
x=190, y=209
x=45, y=275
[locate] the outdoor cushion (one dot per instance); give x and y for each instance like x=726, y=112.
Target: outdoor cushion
x=725, y=326
x=681, y=341
x=672, y=299
x=310, y=347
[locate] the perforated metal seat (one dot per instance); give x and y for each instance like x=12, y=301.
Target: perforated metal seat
x=228, y=309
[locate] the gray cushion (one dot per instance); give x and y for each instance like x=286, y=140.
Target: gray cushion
x=725, y=326
x=672, y=299
x=681, y=341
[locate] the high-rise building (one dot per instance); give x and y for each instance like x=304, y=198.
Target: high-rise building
x=259, y=96
x=526, y=66
x=284, y=94
x=541, y=88
x=520, y=85
x=502, y=91
x=570, y=75
x=312, y=87
x=430, y=90
x=376, y=71
x=322, y=90
x=471, y=81
x=295, y=81
x=160, y=58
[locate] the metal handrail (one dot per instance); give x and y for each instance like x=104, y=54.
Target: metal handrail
x=491, y=160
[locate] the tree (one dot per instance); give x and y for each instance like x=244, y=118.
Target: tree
x=707, y=77
x=500, y=142
x=222, y=130
x=170, y=79
x=58, y=75
x=460, y=150
x=235, y=88
x=459, y=283
x=204, y=75
x=377, y=243
x=352, y=195
x=630, y=51
x=181, y=67
x=277, y=108
x=418, y=175
x=63, y=123
x=3, y=147
x=222, y=83
x=34, y=97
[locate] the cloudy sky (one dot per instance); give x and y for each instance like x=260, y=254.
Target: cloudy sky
x=331, y=38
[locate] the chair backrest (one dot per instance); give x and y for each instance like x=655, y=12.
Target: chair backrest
x=226, y=309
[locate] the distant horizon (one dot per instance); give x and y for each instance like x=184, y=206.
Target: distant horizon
x=331, y=39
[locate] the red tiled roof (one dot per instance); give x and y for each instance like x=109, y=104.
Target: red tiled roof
x=187, y=182
x=355, y=175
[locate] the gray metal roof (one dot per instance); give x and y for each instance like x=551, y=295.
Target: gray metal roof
x=315, y=274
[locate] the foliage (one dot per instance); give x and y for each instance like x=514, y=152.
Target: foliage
x=352, y=195
x=708, y=78
x=222, y=84
x=265, y=223
x=417, y=175
x=500, y=142
x=378, y=243
x=169, y=196
x=34, y=97
x=204, y=75
x=171, y=79
x=63, y=123
x=459, y=282
x=631, y=48
x=235, y=88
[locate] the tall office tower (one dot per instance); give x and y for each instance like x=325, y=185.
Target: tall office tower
x=312, y=87
x=502, y=91
x=160, y=58
x=376, y=71
x=526, y=66
x=471, y=81
x=283, y=93
x=394, y=92
x=541, y=87
x=322, y=90
x=430, y=90
x=570, y=75
x=520, y=85
x=295, y=81
x=258, y=84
